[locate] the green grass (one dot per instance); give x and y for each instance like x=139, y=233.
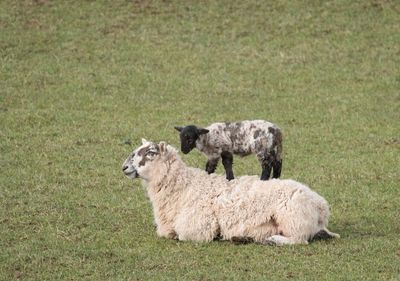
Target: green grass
x=81, y=82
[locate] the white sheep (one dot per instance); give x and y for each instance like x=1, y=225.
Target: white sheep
x=222, y=140
x=190, y=204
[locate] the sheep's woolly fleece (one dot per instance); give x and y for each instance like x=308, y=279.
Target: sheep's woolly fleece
x=189, y=204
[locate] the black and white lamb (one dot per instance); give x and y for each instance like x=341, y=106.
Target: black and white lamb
x=222, y=140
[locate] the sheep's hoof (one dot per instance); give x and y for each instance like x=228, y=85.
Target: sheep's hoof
x=241, y=240
x=270, y=242
x=324, y=234
x=321, y=235
x=279, y=240
x=218, y=237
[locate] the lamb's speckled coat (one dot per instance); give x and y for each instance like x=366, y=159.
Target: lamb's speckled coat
x=241, y=138
x=190, y=204
x=223, y=139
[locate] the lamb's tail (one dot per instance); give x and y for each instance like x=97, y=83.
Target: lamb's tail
x=324, y=234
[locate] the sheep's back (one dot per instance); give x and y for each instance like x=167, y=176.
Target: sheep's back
x=271, y=197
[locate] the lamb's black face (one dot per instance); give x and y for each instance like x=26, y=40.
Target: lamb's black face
x=189, y=135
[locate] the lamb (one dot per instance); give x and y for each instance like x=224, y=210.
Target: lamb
x=191, y=205
x=221, y=140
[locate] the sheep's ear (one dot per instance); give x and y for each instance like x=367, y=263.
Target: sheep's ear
x=144, y=141
x=163, y=147
x=202, y=131
x=179, y=129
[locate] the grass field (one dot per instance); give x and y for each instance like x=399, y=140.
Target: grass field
x=81, y=82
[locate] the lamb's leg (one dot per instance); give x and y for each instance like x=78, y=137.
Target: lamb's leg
x=227, y=161
x=266, y=161
x=277, y=168
x=266, y=170
x=211, y=165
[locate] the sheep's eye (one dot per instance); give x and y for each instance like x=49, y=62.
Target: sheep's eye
x=151, y=153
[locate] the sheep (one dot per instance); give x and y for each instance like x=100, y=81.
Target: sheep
x=221, y=140
x=191, y=205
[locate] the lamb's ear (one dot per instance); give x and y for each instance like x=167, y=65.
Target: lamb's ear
x=179, y=129
x=163, y=147
x=202, y=131
x=144, y=141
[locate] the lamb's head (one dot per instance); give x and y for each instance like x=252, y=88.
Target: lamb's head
x=143, y=160
x=189, y=136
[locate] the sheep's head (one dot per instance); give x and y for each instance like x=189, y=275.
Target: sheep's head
x=189, y=135
x=139, y=163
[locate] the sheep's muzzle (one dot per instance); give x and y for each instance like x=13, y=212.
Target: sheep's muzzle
x=130, y=172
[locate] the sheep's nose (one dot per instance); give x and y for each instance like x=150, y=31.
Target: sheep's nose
x=124, y=168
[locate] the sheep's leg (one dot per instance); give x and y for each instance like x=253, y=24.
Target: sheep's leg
x=211, y=165
x=166, y=232
x=227, y=161
x=277, y=168
x=241, y=240
x=196, y=223
x=279, y=240
x=324, y=234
